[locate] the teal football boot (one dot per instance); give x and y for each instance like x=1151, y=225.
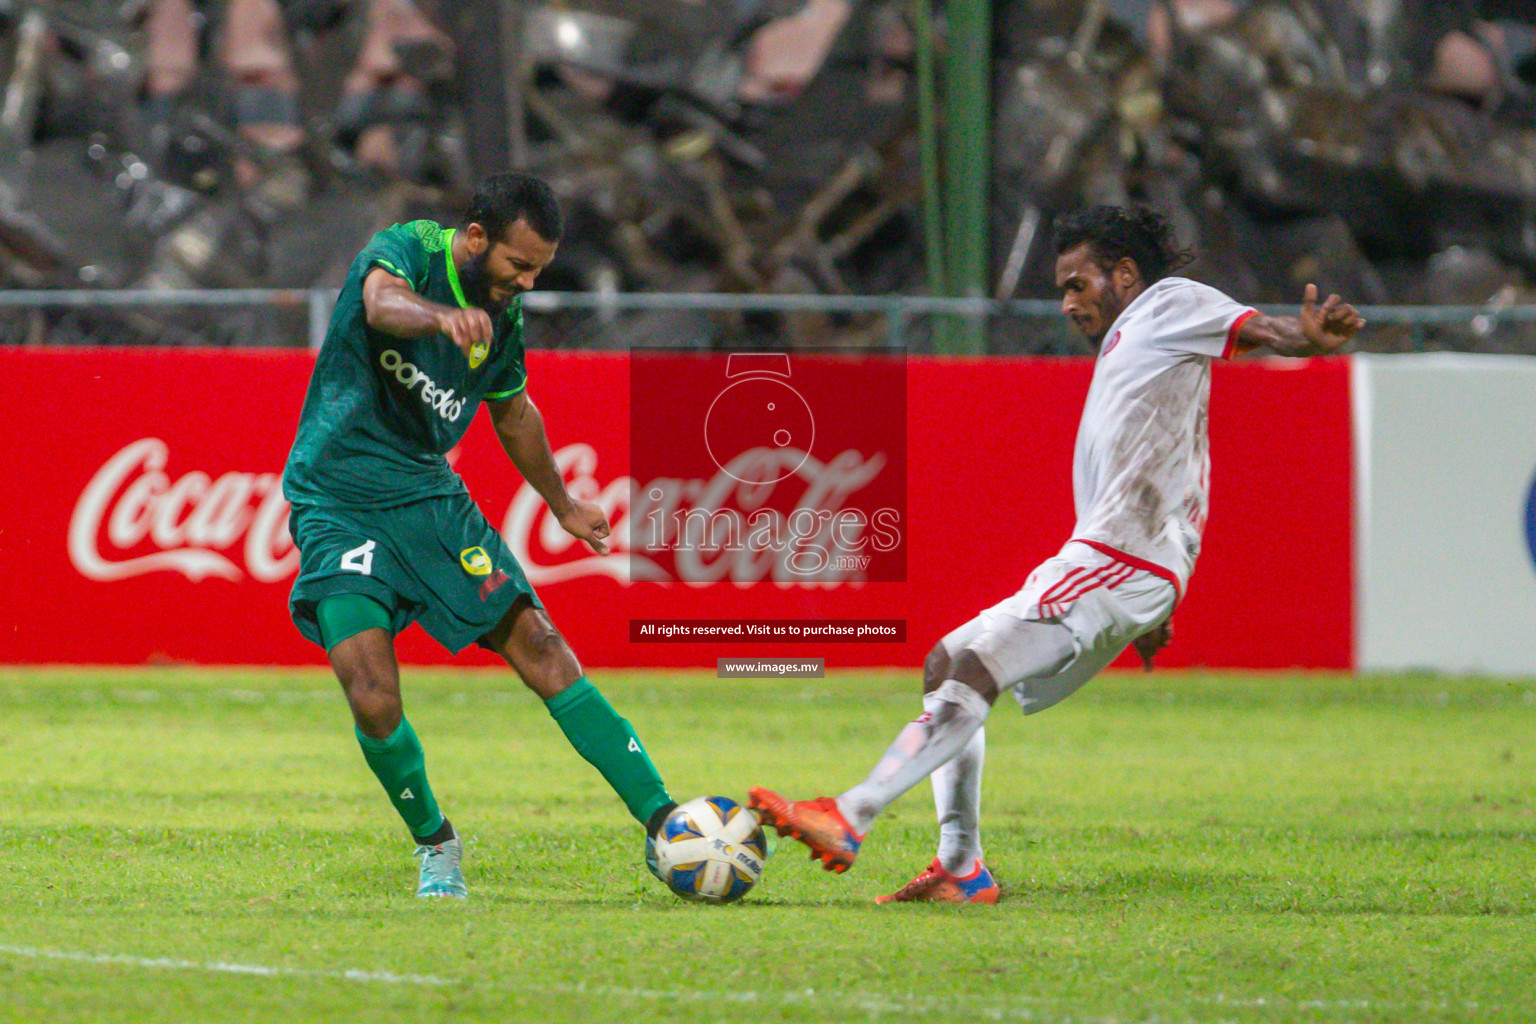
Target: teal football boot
x=441, y=874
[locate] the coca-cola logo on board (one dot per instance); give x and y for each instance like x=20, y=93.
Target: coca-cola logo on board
x=712, y=529
x=541, y=545
x=134, y=518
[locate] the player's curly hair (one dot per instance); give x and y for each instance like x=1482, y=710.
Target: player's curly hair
x=1118, y=232
x=506, y=198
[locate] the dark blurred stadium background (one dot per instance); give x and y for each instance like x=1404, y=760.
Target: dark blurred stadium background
x=1385, y=149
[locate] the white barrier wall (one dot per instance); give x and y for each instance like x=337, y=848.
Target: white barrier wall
x=1445, y=464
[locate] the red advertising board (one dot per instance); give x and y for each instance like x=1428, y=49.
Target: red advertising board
x=143, y=519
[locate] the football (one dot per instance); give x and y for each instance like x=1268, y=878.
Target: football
x=711, y=849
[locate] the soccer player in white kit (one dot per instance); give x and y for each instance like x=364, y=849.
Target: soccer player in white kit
x=1140, y=478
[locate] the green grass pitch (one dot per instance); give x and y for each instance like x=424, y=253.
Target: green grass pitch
x=204, y=846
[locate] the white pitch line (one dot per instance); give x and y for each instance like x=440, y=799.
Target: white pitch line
x=1281, y=1003
x=872, y=1005
x=219, y=967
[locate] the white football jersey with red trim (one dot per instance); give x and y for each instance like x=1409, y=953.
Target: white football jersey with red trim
x=1141, y=469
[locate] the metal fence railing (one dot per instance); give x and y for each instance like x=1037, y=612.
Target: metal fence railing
x=297, y=317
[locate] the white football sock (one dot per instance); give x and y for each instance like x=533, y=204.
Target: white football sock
x=926, y=742
x=957, y=798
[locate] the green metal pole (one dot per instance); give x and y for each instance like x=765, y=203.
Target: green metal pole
x=968, y=163
x=928, y=149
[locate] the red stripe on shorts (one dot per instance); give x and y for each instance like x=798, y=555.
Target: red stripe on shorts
x=1125, y=573
x=1132, y=560
x=1092, y=581
x=1095, y=579
x=1059, y=584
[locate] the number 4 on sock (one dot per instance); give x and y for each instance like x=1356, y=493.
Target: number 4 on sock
x=360, y=559
x=634, y=746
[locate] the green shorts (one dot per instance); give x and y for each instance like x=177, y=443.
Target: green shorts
x=436, y=560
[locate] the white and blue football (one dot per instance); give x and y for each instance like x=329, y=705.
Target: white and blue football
x=712, y=849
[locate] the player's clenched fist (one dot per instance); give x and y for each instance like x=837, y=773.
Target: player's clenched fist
x=466, y=328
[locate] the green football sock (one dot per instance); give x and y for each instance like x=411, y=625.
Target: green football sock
x=402, y=769
x=610, y=745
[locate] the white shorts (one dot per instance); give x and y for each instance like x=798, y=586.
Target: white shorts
x=1103, y=602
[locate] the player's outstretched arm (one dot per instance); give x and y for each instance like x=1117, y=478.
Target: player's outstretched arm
x=1320, y=330
x=520, y=429
x=392, y=306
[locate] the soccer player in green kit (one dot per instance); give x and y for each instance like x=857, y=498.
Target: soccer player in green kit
x=428, y=325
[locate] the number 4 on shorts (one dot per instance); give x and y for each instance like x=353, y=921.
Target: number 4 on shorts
x=360, y=559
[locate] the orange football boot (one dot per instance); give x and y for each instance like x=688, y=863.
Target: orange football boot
x=816, y=823
x=935, y=885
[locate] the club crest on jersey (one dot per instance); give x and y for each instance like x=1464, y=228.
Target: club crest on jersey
x=1114, y=339
x=475, y=561
x=477, y=354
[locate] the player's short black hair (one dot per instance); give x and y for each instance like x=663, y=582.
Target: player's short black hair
x=1118, y=232
x=504, y=199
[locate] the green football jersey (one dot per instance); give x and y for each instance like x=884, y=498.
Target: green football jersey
x=381, y=411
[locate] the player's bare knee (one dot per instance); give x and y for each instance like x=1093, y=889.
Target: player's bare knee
x=935, y=668
x=373, y=693
x=966, y=667
x=546, y=648
x=376, y=709
x=546, y=662
x=544, y=641
x=377, y=721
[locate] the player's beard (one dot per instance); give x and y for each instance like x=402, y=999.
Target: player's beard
x=477, y=287
x=1111, y=304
